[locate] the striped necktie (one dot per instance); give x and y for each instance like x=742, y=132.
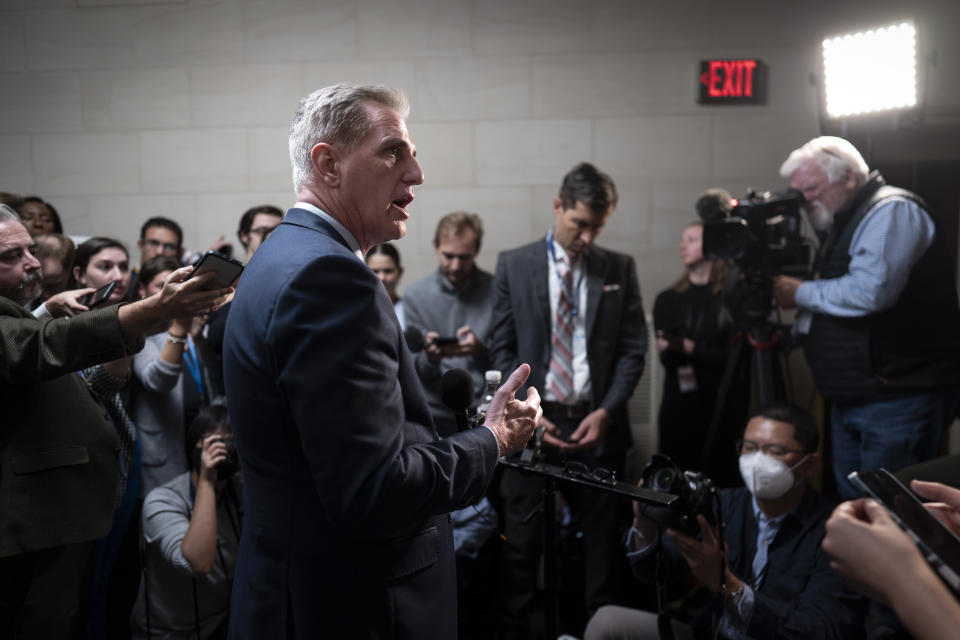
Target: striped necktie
x=561, y=358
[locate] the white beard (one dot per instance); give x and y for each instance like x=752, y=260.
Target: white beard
x=820, y=217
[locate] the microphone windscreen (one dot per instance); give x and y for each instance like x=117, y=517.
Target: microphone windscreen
x=414, y=338
x=456, y=389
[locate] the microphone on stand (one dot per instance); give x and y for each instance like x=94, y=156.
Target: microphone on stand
x=456, y=392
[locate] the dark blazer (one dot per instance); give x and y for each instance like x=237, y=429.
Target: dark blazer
x=615, y=327
x=346, y=484
x=799, y=595
x=58, y=451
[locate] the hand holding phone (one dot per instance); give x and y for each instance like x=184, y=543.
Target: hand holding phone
x=98, y=297
x=938, y=544
x=226, y=268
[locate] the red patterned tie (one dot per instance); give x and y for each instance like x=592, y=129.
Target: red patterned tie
x=561, y=352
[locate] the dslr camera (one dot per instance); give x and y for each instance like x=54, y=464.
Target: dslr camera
x=696, y=493
x=226, y=467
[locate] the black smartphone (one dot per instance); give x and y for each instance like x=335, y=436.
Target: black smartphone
x=936, y=542
x=99, y=296
x=442, y=340
x=226, y=268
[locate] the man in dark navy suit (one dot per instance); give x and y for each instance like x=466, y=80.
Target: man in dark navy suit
x=347, y=485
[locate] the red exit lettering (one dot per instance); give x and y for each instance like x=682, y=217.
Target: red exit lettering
x=729, y=78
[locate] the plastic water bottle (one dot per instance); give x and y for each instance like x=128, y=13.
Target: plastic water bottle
x=492, y=380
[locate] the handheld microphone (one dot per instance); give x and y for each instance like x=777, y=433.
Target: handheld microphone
x=414, y=338
x=456, y=392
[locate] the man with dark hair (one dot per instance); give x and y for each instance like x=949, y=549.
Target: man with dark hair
x=572, y=310
x=776, y=581
x=255, y=225
x=878, y=322
x=455, y=302
x=58, y=451
x=160, y=236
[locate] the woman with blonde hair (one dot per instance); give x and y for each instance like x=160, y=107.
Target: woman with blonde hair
x=693, y=329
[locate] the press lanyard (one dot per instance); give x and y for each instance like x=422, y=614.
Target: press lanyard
x=575, y=303
x=193, y=364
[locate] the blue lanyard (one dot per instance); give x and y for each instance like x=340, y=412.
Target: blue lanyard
x=576, y=293
x=193, y=364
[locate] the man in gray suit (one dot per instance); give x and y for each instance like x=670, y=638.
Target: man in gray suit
x=573, y=312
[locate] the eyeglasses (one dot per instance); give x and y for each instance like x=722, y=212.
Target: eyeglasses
x=773, y=450
x=166, y=246
x=597, y=474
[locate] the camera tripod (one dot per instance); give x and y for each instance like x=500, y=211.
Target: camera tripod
x=752, y=359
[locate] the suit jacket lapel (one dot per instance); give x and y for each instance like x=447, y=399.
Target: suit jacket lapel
x=537, y=268
x=595, y=264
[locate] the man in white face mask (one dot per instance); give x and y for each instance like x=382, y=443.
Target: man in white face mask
x=777, y=582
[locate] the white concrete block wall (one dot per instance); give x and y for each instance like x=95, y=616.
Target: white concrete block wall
x=116, y=110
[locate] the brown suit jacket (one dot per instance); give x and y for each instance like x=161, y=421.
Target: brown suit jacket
x=58, y=450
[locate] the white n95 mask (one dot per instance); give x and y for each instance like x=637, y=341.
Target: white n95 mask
x=766, y=477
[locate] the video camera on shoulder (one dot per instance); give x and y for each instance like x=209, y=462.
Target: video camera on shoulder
x=696, y=493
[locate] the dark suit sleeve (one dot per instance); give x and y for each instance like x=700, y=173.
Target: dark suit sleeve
x=632, y=344
x=337, y=352
x=32, y=349
x=503, y=331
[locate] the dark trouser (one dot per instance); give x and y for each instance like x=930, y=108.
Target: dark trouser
x=43, y=594
x=600, y=515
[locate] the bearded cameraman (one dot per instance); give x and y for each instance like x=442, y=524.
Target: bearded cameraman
x=191, y=530
x=777, y=582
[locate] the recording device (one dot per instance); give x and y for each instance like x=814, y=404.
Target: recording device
x=226, y=268
x=762, y=236
x=442, y=340
x=226, y=467
x=99, y=296
x=456, y=393
x=763, y=231
x=674, y=338
x=936, y=542
x=694, y=490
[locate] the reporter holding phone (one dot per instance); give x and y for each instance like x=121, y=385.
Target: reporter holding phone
x=453, y=308
x=170, y=383
x=877, y=558
x=48, y=524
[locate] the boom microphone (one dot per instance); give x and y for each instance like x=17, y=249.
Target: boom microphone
x=456, y=392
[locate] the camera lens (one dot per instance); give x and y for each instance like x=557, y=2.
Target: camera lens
x=663, y=479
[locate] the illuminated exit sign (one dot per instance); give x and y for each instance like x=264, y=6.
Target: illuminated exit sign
x=741, y=81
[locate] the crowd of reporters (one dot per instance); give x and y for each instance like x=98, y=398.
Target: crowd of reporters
x=133, y=530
